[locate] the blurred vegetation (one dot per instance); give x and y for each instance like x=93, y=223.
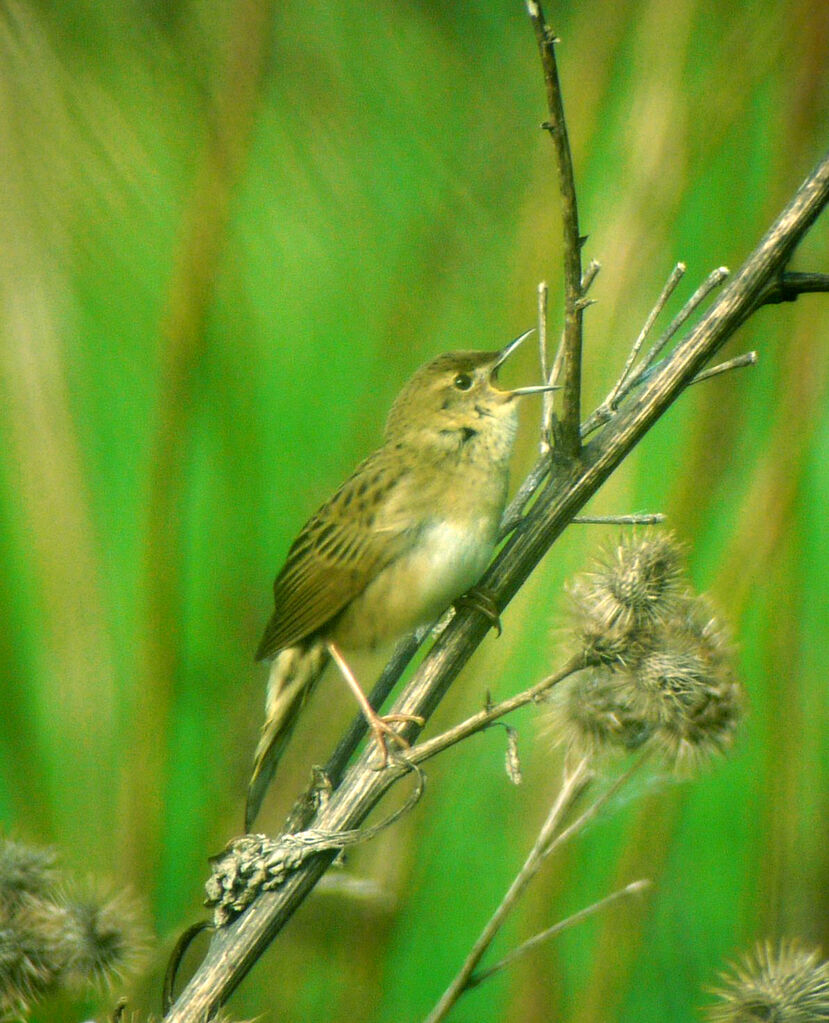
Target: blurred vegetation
x=229, y=233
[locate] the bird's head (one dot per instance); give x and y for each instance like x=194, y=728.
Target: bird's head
x=455, y=398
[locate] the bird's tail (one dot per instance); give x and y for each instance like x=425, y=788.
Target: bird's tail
x=294, y=673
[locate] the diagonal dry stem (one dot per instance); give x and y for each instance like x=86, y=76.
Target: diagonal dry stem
x=574, y=784
x=634, y=888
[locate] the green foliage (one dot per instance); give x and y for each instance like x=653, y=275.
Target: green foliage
x=213, y=280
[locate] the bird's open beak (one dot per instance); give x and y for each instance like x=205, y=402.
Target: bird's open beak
x=504, y=354
x=519, y=392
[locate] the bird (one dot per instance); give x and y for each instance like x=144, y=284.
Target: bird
x=409, y=532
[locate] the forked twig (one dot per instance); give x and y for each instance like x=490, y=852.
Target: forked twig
x=668, y=290
x=574, y=784
x=550, y=837
x=712, y=281
x=634, y=888
x=628, y=380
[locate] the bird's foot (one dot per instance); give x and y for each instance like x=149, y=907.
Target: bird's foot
x=382, y=729
x=482, y=601
x=381, y=726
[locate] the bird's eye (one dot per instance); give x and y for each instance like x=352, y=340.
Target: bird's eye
x=463, y=381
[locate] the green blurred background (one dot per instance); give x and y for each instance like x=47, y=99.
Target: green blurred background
x=230, y=231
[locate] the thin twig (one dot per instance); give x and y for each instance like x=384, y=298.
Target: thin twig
x=652, y=519
x=554, y=375
x=483, y=719
x=670, y=286
x=515, y=510
x=572, y=787
x=605, y=412
x=598, y=804
x=543, y=291
x=570, y=439
x=558, y=361
x=712, y=281
x=738, y=362
x=590, y=275
x=575, y=782
x=547, y=399
x=576, y=918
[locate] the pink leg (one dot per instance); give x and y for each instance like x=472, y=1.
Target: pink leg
x=380, y=726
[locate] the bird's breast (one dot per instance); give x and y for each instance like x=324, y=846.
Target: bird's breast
x=446, y=558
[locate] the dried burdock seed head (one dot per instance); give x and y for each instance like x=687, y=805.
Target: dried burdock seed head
x=705, y=728
x=664, y=673
x=104, y=936
x=786, y=984
x=686, y=686
x=25, y=872
x=665, y=682
x=633, y=589
x=588, y=716
x=30, y=965
x=698, y=621
x=49, y=939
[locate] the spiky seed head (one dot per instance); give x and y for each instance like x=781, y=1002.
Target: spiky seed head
x=588, y=715
x=786, y=983
x=698, y=620
x=705, y=728
x=664, y=672
x=686, y=685
x=25, y=871
x=30, y=965
x=105, y=936
x=643, y=577
x=633, y=588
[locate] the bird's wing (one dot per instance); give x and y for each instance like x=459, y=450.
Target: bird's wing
x=339, y=551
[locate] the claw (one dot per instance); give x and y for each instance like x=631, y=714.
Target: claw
x=483, y=602
x=381, y=726
x=382, y=730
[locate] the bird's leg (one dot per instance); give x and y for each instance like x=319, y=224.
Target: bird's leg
x=380, y=726
x=483, y=602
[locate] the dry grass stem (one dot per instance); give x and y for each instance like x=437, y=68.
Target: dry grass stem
x=573, y=785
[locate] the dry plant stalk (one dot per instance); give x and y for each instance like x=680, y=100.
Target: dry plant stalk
x=655, y=679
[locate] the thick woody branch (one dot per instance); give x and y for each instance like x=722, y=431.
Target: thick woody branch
x=786, y=287
x=235, y=948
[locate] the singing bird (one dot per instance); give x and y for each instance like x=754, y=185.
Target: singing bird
x=409, y=532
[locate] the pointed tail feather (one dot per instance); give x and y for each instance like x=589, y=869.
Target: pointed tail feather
x=294, y=673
